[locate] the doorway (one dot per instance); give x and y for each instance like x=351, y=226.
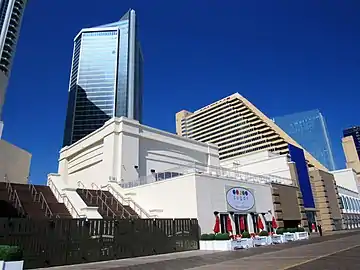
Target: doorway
x=237, y=218
x=223, y=220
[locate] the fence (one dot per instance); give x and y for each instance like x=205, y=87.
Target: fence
x=56, y=242
x=233, y=174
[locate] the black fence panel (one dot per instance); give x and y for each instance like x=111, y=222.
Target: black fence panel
x=72, y=241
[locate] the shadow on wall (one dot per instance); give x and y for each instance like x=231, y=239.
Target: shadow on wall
x=83, y=115
x=181, y=155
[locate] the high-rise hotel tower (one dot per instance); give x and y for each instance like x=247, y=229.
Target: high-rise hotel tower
x=106, y=77
x=238, y=128
x=11, y=14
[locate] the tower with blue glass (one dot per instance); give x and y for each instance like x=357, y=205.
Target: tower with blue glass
x=106, y=77
x=310, y=131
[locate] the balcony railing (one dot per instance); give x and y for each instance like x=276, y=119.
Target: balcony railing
x=210, y=171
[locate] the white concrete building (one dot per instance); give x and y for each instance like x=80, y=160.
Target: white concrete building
x=262, y=163
x=198, y=195
x=348, y=188
x=124, y=151
x=346, y=178
x=160, y=174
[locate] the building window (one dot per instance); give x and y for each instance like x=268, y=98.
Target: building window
x=346, y=203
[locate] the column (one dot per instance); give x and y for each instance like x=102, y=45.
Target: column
x=250, y=224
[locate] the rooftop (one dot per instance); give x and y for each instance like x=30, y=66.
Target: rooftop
x=219, y=172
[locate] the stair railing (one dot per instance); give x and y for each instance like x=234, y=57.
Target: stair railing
x=129, y=201
x=134, y=205
x=119, y=207
x=65, y=199
x=45, y=205
x=14, y=197
x=33, y=191
x=40, y=198
x=99, y=201
x=88, y=194
x=96, y=187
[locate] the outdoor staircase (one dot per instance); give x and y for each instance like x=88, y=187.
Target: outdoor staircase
x=7, y=208
x=32, y=201
x=31, y=206
x=129, y=204
x=58, y=209
x=108, y=205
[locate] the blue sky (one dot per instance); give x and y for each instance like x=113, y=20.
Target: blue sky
x=284, y=56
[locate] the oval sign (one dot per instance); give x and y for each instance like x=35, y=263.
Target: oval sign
x=240, y=198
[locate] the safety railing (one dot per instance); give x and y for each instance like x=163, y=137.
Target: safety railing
x=104, y=207
x=40, y=198
x=65, y=200
x=129, y=201
x=214, y=171
x=119, y=204
x=14, y=198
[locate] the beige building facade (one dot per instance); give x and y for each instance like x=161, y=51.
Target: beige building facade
x=289, y=208
x=14, y=163
x=327, y=200
x=351, y=155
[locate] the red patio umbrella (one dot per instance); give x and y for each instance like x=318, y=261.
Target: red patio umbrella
x=273, y=223
x=242, y=223
x=217, y=225
x=228, y=225
x=260, y=224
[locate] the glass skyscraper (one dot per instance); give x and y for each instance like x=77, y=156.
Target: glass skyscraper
x=106, y=77
x=355, y=133
x=11, y=14
x=310, y=131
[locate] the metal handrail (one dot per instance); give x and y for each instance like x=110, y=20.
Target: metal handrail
x=64, y=197
x=18, y=204
x=199, y=168
x=33, y=192
x=112, y=200
x=96, y=187
x=39, y=197
x=97, y=199
x=14, y=197
x=128, y=201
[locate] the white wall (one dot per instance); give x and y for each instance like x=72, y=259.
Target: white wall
x=194, y=196
x=86, y=166
x=211, y=197
x=172, y=198
x=263, y=162
x=163, y=156
x=125, y=150
x=346, y=178
x=71, y=199
x=14, y=162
